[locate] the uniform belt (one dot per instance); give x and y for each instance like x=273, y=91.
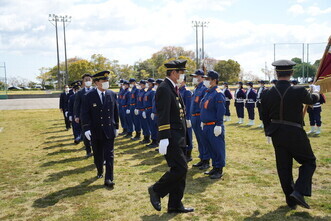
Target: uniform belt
x=227, y=99
x=286, y=123
x=141, y=109
x=209, y=123
x=132, y=104
x=196, y=114
x=147, y=108
x=124, y=105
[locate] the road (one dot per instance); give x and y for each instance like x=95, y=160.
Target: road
x=35, y=103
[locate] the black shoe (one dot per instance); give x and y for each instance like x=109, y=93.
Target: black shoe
x=211, y=172
x=217, y=174
x=109, y=183
x=145, y=140
x=300, y=199
x=291, y=203
x=77, y=141
x=154, y=198
x=128, y=135
x=99, y=175
x=189, y=156
x=205, y=165
x=137, y=137
x=88, y=155
x=153, y=144
x=123, y=133
x=157, y=149
x=180, y=210
x=198, y=164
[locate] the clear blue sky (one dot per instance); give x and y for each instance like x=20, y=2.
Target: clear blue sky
x=129, y=30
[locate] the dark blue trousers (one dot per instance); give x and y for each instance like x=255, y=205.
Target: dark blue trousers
x=227, y=108
x=151, y=124
x=122, y=117
x=135, y=119
x=196, y=125
x=128, y=121
x=240, y=110
x=76, y=130
x=189, y=132
x=315, y=116
x=251, y=113
x=144, y=124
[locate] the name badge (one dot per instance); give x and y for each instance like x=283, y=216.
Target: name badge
x=94, y=105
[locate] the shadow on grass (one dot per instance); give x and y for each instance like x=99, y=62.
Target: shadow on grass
x=54, y=137
x=53, y=198
x=58, y=145
x=59, y=175
x=164, y=216
x=68, y=160
x=58, y=141
x=54, y=132
x=65, y=151
x=281, y=213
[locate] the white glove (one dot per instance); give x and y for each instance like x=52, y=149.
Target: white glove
x=116, y=132
x=152, y=116
x=163, y=146
x=143, y=114
x=188, y=123
x=201, y=125
x=217, y=130
x=70, y=118
x=88, y=134
x=136, y=111
x=269, y=141
x=127, y=111
x=66, y=113
x=316, y=88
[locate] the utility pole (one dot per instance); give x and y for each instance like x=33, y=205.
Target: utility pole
x=65, y=19
x=5, y=80
x=303, y=60
x=265, y=70
x=54, y=18
x=196, y=25
x=203, y=24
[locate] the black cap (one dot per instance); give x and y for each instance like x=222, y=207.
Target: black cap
x=75, y=84
x=239, y=82
x=274, y=81
x=261, y=82
x=132, y=80
x=159, y=81
x=249, y=83
x=142, y=82
x=284, y=66
x=103, y=75
x=126, y=82
x=212, y=74
x=151, y=80
x=121, y=81
x=198, y=72
x=176, y=65
x=86, y=75
x=225, y=83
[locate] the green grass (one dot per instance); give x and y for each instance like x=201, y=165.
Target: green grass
x=44, y=176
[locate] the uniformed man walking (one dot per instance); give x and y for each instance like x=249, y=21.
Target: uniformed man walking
x=64, y=97
x=212, y=114
x=100, y=124
x=76, y=127
x=173, y=136
x=283, y=119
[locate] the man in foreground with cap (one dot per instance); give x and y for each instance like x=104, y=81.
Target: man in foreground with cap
x=262, y=88
x=198, y=93
x=212, y=114
x=86, y=87
x=173, y=136
x=250, y=103
x=239, y=99
x=100, y=124
x=228, y=98
x=76, y=127
x=282, y=114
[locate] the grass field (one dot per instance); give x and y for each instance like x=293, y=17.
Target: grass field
x=44, y=176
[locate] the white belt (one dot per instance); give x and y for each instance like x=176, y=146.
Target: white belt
x=227, y=99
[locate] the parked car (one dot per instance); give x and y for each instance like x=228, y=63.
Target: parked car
x=14, y=88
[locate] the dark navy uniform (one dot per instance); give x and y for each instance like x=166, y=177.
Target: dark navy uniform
x=64, y=98
x=198, y=94
x=239, y=100
x=76, y=127
x=120, y=108
x=228, y=98
x=261, y=89
x=125, y=102
x=133, y=105
x=282, y=107
x=250, y=103
x=141, y=110
x=187, y=99
x=148, y=105
x=314, y=112
x=172, y=126
x=100, y=117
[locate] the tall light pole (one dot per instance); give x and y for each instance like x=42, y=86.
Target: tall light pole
x=65, y=19
x=203, y=24
x=53, y=19
x=196, y=25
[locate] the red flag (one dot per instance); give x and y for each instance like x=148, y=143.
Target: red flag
x=323, y=75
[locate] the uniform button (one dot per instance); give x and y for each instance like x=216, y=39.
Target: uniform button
x=101, y=110
x=101, y=124
x=108, y=109
x=109, y=124
x=108, y=117
x=101, y=117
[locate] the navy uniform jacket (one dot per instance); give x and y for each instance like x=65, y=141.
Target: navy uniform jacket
x=239, y=96
x=100, y=118
x=187, y=99
x=198, y=94
x=259, y=94
x=78, y=101
x=170, y=110
x=148, y=99
x=250, y=98
x=64, y=100
x=140, y=100
x=71, y=102
x=227, y=94
x=125, y=99
x=133, y=98
x=213, y=107
x=292, y=107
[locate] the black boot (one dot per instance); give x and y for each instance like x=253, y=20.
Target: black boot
x=199, y=164
x=211, y=172
x=205, y=165
x=189, y=156
x=128, y=135
x=137, y=137
x=217, y=174
x=153, y=144
x=146, y=140
x=123, y=133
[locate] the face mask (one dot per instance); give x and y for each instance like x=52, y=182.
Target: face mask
x=195, y=81
x=119, y=85
x=88, y=83
x=155, y=87
x=206, y=83
x=66, y=90
x=131, y=85
x=123, y=87
x=181, y=78
x=105, y=85
x=222, y=87
x=138, y=87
